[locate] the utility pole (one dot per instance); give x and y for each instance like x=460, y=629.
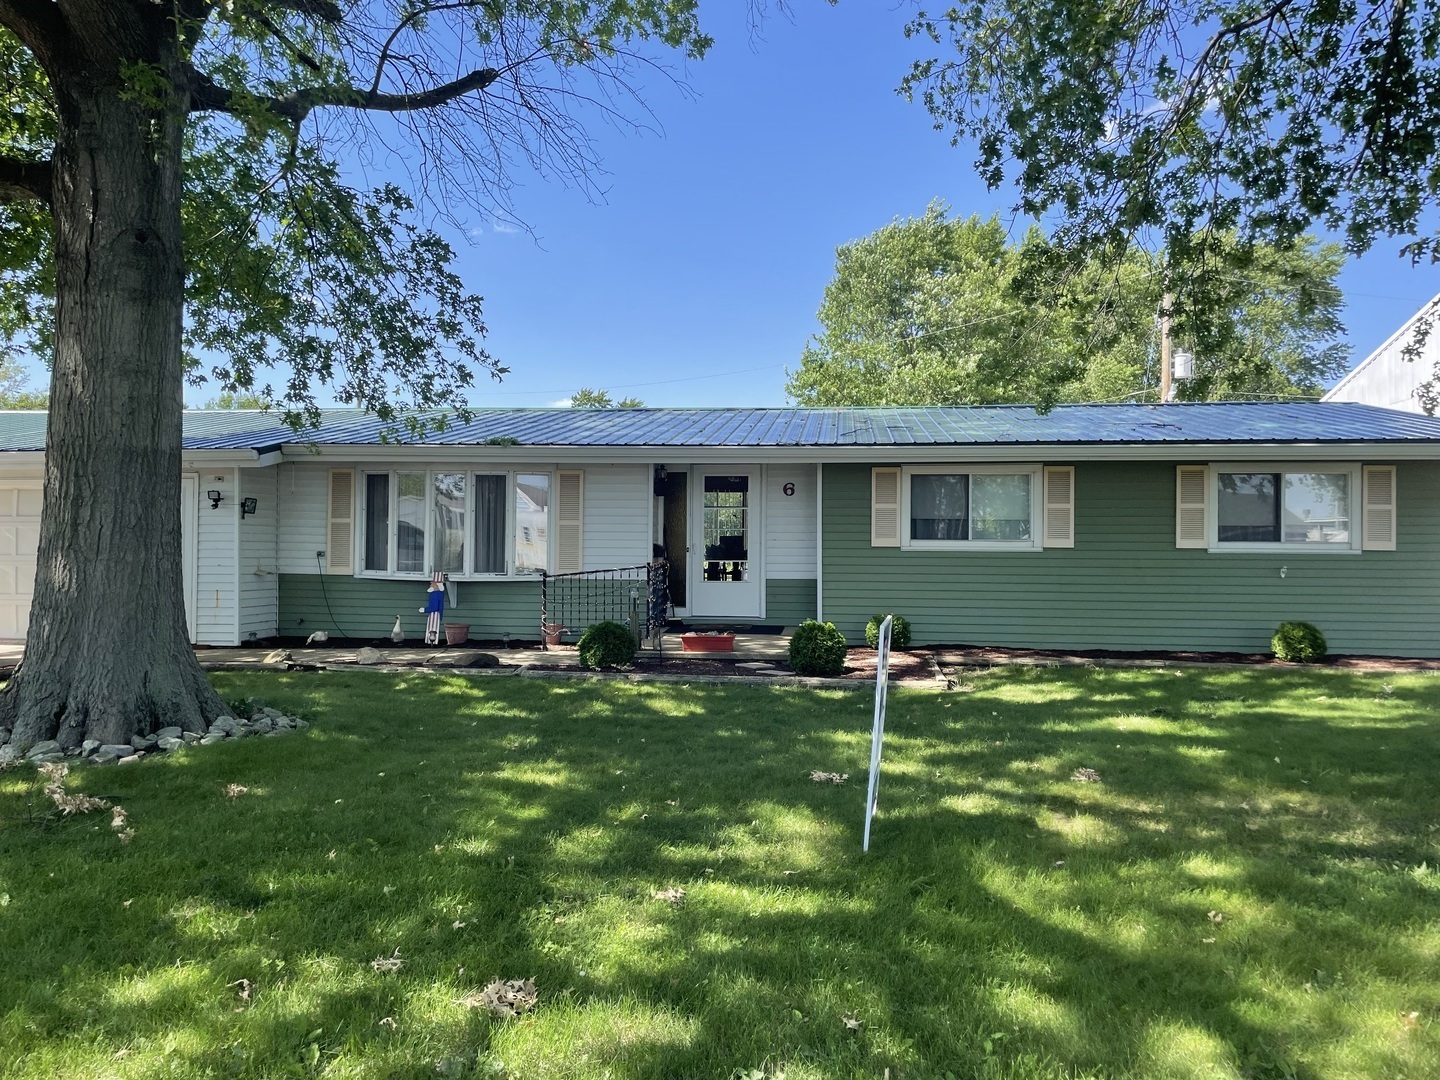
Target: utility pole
x=1165, y=348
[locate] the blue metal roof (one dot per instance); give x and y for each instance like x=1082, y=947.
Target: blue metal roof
x=980, y=425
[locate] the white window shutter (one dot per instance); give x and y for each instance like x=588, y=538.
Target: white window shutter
x=884, y=507
x=340, y=538
x=1378, y=514
x=1192, y=494
x=1059, y=506
x=570, y=523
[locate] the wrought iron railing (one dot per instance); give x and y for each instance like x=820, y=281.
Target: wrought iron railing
x=634, y=596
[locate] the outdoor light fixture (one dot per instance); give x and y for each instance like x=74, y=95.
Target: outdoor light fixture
x=247, y=506
x=660, y=476
x=215, y=498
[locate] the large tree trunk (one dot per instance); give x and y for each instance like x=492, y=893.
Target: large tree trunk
x=108, y=653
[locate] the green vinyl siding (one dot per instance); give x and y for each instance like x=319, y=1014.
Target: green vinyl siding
x=789, y=601
x=366, y=607
x=1125, y=585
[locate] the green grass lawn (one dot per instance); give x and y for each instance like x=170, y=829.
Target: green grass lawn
x=1010, y=921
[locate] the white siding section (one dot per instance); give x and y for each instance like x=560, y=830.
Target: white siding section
x=1385, y=377
x=259, y=583
x=216, y=599
x=617, y=515
x=790, y=522
x=303, y=497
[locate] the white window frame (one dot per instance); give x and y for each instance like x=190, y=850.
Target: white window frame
x=1034, y=470
x=1355, y=494
x=470, y=472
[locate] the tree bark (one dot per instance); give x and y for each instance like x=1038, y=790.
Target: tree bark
x=108, y=653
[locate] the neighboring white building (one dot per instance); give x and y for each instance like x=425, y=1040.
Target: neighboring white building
x=1385, y=377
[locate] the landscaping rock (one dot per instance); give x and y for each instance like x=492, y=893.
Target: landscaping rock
x=300, y=725
x=45, y=759
x=463, y=658
x=167, y=744
x=89, y=746
x=263, y=726
x=276, y=656
x=212, y=738
x=8, y=753
x=368, y=655
x=111, y=752
x=285, y=722
x=171, y=732
x=137, y=742
x=190, y=737
x=225, y=723
x=130, y=760
x=40, y=749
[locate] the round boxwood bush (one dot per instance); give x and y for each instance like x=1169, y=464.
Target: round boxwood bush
x=899, y=632
x=1298, y=641
x=817, y=648
x=606, y=644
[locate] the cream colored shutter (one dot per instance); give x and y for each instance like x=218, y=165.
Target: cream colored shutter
x=884, y=507
x=1059, y=506
x=1378, y=520
x=570, y=523
x=340, y=541
x=1192, y=493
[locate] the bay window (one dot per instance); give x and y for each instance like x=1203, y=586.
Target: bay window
x=463, y=524
x=970, y=507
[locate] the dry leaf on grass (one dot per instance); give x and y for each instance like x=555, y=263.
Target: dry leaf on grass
x=243, y=988
x=829, y=777
x=388, y=963
x=504, y=997
x=1085, y=776
x=672, y=895
x=1215, y=916
x=234, y=791
x=851, y=1023
x=388, y=1022
x=1410, y=1019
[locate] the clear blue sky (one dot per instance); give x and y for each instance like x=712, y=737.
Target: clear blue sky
x=717, y=234
x=695, y=279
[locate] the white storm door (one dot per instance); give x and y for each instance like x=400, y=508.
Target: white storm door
x=725, y=538
x=19, y=542
x=189, y=520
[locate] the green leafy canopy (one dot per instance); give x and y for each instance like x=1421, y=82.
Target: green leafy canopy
x=301, y=282
x=940, y=311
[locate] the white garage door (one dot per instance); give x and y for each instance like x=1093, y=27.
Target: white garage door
x=19, y=537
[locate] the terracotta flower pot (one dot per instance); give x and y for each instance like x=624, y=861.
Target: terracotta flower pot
x=457, y=633
x=552, y=633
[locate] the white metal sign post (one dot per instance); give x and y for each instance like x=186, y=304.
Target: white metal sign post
x=882, y=682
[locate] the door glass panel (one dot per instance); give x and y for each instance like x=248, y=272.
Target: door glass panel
x=726, y=512
x=377, y=522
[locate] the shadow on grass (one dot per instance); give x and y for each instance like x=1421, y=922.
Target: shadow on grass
x=1244, y=891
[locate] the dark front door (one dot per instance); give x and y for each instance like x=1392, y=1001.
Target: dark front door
x=676, y=531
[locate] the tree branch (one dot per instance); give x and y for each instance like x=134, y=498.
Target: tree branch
x=21, y=181
x=37, y=23
x=208, y=96
x=326, y=11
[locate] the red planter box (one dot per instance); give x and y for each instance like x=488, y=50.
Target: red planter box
x=708, y=642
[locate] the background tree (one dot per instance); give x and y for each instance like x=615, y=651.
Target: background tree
x=173, y=202
x=1197, y=123
x=237, y=399
x=13, y=394
x=931, y=310
x=585, y=398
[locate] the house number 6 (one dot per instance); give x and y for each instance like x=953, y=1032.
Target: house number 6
x=789, y=489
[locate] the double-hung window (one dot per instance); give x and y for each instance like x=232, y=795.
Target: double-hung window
x=1309, y=507
x=981, y=507
x=461, y=523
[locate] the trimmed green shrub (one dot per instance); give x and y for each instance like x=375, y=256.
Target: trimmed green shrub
x=817, y=648
x=1298, y=641
x=899, y=632
x=606, y=644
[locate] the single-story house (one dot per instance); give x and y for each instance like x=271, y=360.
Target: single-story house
x=1128, y=527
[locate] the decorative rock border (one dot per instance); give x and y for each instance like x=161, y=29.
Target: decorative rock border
x=264, y=721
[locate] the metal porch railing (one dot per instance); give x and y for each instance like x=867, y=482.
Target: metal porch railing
x=634, y=596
